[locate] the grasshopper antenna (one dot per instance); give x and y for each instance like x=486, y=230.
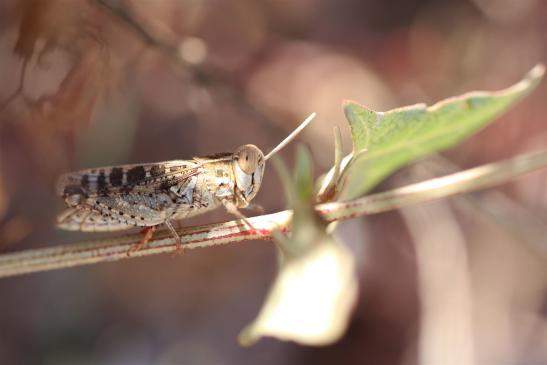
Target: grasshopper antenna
x=291, y=136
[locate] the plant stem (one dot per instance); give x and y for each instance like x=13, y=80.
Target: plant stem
x=114, y=249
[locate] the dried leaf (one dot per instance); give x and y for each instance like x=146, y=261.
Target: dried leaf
x=78, y=93
x=312, y=297
x=55, y=22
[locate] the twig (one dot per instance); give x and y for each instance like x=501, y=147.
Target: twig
x=198, y=73
x=114, y=249
x=20, y=87
x=151, y=40
x=461, y=182
x=510, y=216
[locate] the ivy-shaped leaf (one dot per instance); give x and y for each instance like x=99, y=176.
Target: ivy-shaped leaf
x=385, y=141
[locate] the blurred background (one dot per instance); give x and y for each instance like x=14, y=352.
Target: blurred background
x=103, y=82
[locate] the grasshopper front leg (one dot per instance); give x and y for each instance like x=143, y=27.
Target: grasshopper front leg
x=178, y=240
x=232, y=209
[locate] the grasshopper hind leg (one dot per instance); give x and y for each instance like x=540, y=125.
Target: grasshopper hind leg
x=88, y=220
x=148, y=233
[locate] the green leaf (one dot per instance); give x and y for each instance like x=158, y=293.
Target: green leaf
x=385, y=141
x=299, y=192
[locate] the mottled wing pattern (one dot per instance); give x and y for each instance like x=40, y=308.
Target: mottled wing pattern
x=117, y=198
x=126, y=178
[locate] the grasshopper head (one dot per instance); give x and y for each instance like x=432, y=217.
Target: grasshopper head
x=248, y=165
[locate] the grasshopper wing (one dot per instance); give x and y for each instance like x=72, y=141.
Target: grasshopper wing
x=115, y=180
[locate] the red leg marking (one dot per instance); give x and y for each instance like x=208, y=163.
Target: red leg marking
x=148, y=232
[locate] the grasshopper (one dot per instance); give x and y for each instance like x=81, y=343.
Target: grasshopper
x=148, y=195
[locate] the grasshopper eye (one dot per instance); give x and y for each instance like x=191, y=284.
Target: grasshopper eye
x=249, y=157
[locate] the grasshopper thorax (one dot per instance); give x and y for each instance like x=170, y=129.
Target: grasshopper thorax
x=248, y=165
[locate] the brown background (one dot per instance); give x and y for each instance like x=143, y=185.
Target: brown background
x=223, y=73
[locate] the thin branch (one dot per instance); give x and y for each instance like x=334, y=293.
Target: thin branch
x=461, y=182
x=512, y=217
x=20, y=87
x=151, y=40
x=114, y=249
x=198, y=73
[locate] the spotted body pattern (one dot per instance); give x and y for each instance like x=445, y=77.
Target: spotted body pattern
x=116, y=198
x=148, y=195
